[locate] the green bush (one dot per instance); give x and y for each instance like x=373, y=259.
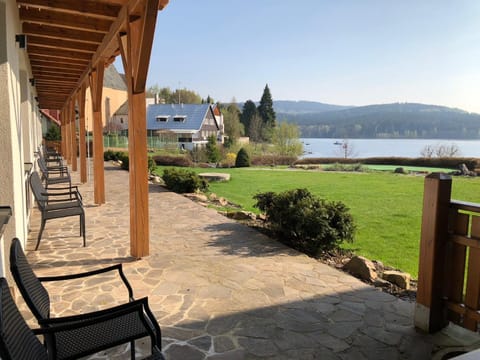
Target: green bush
x=269, y=160
x=183, y=181
x=243, y=159
x=305, y=222
x=171, y=160
x=53, y=133
x=123, y=157
x=151, y=165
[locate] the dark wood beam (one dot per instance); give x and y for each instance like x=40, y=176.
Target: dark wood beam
x=62, y=33
x=65, y=54
x=76, y=7
x=46, y=64
x=64, y=20
x=61, y=44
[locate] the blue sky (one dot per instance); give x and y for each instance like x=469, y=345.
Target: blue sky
x=345, y=52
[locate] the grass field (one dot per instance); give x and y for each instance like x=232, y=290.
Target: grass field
x=386, y=207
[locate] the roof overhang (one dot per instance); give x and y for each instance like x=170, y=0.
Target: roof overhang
x=66, y=39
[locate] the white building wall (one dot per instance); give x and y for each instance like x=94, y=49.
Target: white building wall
x=16, y=122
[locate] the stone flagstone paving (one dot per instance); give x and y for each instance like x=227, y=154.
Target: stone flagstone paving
x=219, y=289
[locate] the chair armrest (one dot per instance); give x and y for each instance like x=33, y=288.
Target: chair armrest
x=117, y=267
x=70, y=191
x=79, y=335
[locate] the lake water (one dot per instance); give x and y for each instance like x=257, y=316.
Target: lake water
x=364, y=148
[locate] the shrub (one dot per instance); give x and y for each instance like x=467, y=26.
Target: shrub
x=183, y=181
x=151, y=165
x=213, y=153
x=53, y=133
x=346, y=167
x=270, y=160
x=171, y=160
x=305, y=222
x=243, y=159
x=123, y=157
x=229, y=160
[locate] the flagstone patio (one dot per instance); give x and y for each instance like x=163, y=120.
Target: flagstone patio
x=221, y=290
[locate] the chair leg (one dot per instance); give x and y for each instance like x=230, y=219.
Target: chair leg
x=132, y=349
x=40, y=233
x=82, y=229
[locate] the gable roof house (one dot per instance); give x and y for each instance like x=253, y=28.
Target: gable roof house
x=191, y=123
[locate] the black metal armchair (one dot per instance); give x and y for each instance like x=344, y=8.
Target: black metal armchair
x=38, y=299
x=74, y=336
x=53, y=175
x=57, y=203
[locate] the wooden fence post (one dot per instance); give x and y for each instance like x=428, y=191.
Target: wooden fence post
x=430, y=310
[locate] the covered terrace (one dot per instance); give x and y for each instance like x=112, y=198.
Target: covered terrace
x=219, y=290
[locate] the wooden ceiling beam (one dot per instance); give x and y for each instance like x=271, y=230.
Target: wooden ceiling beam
x=41, y=71
x=92, y=8
x=65, y=54
x=55, y=78
x=61, y=44
x=49, y=64
x=64, y=20
x=62, y=33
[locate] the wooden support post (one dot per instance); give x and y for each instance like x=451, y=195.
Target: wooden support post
x=63, y=131
x=68, y=137
x=430, y=310
x=135, y=48
x=73, y=134
x=96, y=87
x=81, y=134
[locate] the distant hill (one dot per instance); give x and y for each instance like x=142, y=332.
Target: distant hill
x=398, y=120
x=304, y=107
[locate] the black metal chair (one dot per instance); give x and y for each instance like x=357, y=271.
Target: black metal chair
x=38, y=300
x=57, y=203
x=74, y=336
x=53, y=175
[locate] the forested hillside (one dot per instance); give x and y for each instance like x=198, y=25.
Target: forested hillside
x=399, y=120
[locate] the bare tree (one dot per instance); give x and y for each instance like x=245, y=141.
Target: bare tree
x=346, y=150
x=441, y=150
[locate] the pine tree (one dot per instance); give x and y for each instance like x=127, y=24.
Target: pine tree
x=249, y=110
x=265, y=109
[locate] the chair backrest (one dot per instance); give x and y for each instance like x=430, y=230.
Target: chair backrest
x=43, y=166
x=38, y=190
x=32, y=290
x=17, y=341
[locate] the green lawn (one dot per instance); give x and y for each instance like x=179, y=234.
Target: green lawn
x=386, y=207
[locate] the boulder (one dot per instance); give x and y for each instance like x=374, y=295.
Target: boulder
x=401, y=279
x=242, y=215
x=361, y=267
x=197, y=197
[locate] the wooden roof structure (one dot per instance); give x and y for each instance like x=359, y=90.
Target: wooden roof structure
x=69, y=43
x=67, y=38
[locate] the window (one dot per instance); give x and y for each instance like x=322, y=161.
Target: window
x=162, y=118
x=121, y=120
x=179, y=118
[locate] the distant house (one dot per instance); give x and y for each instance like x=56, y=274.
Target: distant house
x=191, y=123
x=119, y=119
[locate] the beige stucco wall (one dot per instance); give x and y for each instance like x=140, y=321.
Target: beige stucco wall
x=17, y=118
x=117, y=98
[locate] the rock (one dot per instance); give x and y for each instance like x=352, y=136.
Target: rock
x=157, y=180
x=398, y=278
x=213, y=196
x=222, y=201
x=242, y=215
x=197, y=197
x=465, y=171
x=381, y=283
x=362, y=268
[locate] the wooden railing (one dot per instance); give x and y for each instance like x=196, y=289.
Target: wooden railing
x=449, y=264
